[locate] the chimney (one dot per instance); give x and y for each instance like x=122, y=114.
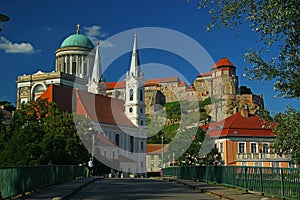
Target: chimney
x=245, y=111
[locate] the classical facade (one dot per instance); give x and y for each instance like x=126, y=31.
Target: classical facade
x=74, y=62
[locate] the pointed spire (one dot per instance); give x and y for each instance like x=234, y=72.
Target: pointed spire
x=96, y=83
x=135, y=68
x=97, y=69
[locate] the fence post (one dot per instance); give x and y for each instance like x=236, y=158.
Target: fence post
x=261, y=180
x=282, y=182
x=233, y=175
x=246, y=178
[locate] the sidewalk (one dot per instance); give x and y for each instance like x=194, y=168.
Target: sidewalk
x=221, y=191
x=60, y=191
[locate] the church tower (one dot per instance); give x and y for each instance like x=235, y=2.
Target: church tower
x=96, y=82
x=135, y=91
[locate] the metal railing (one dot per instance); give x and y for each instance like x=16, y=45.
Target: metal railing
x=18, y=180
x=246, y=156
x=280, y=182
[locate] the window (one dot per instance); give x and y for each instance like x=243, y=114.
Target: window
x=221, y=147
x=142, y=146
x=141, y=110
x=242, y=147
x=253, y=147
x=265, y=147
x=117, y=139
x=130, y=94
x=114, y=154
x=131, y=143
x=130, y=110
x=141, y=95
x=142, y=123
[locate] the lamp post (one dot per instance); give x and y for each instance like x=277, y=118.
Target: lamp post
x=93, y=144
x=3, y=18
x=162, y=152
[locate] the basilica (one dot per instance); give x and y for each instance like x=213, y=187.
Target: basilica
x=77, y=86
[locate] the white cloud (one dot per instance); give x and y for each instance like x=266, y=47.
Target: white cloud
x=94, y=33
x=10, y=47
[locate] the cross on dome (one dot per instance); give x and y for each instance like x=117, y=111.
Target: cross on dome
x=78, y=28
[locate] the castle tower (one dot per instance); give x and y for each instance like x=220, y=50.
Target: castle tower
x=135, y=91
x=96, y=82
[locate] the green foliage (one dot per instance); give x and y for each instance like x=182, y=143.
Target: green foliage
x=168, y=131
x=287, y=128
x=7, y=106
x=173, y=111
x=278, y=25
x=40, y=133
x=288, y=133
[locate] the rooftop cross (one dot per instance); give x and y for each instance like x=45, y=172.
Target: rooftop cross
x=78, y=28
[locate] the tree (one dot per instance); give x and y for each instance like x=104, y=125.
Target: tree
x=278, y=25
x=7, y=106
x=287, y=128
x=40, y=133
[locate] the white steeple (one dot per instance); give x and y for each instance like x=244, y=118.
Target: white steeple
x=135, y=91
x=135, y=68
x=96, y=83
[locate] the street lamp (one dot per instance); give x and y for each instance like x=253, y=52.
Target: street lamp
x=162, y=152
x=3, y=18
x=93, y=144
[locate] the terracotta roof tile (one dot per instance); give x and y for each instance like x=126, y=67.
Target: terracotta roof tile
x=115, y=85
x=205, y=74
x=239, y=126
x=103, y=109
x=156, y=148
x=99, y=108
x=222, y=62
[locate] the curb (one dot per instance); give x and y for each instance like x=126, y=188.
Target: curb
x=221, y=196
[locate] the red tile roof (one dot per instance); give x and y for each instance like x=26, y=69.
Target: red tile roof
x=156, y=148
x=239, y=126
x=102, y=108
x=98, y=108
x=115, y=85
x=150, y=82
x=205, y=74
x=223, y=62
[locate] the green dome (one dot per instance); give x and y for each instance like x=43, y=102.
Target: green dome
x=77, y=40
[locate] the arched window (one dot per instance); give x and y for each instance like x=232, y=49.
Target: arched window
x=37, y=91
x=130, y=94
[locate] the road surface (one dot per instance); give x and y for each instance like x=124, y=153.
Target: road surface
x=114, y=189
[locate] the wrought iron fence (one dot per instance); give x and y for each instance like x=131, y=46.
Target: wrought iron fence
x=280, y=182
x=18, y=180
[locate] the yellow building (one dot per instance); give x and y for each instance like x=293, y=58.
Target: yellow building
x=244, y=140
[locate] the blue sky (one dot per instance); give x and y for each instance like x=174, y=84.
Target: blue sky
x=37, y=28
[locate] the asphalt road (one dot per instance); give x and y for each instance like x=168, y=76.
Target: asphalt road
x=111, y=189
